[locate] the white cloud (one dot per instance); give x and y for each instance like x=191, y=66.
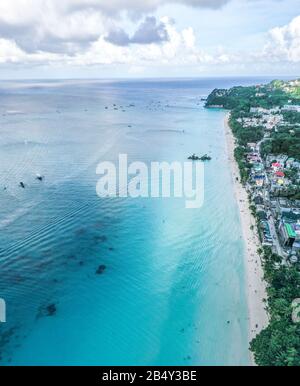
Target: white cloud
x=189, y=37
x=284, y=43
x=180, y=47
x=94, y=32
x=48, y=25
x=57, y=25
x=70, y=26
x=10, y=52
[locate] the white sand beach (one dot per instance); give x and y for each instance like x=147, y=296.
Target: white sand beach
x=256, y=287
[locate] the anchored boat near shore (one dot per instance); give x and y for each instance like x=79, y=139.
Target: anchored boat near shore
x=194, y=157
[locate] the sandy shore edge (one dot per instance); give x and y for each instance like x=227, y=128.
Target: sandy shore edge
x=256, y=287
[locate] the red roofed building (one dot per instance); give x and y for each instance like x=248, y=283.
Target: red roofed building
x=279, y=174
x=276, y=166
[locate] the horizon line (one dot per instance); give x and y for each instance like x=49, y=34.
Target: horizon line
x=151, y=78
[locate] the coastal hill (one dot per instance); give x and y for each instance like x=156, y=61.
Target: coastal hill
x=274, y=94
x=268, y=113
x=265, y=121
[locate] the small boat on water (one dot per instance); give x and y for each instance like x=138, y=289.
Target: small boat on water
x=205, y=157
x=194, y=157
x=39, y=177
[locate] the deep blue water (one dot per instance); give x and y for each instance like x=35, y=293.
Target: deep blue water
x=174, y=276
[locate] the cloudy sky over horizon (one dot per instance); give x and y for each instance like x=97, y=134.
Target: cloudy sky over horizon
x=148, y=38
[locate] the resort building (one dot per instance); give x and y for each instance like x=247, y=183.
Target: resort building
x=290, y=234
x=276, y=166
x=266, y=233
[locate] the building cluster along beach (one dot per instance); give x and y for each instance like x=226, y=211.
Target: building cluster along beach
x=256, y=286
x=263, y=136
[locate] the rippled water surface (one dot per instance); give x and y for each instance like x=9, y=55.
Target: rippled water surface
x=174, y=277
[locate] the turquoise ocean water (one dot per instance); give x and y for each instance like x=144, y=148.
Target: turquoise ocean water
x=174, y=277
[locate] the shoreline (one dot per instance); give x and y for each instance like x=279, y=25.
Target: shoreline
x=255, y=285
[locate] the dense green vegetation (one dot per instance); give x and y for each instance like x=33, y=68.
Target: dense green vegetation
x=243, y=98
x=284, y=141
x=293, y=91
x=291, y=116
x=291, y=192
x=239, y=154
x=244, y=135
x=279, y=343
x=292, y=175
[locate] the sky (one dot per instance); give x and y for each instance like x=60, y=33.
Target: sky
x=148, y=38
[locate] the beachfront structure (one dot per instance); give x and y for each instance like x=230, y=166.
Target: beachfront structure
x=289, y=226
x=261, y=213
x=253, y=157
x=266, y=233
x=257, y=170
x=290, y=235
x=277, y=182
x=277, y=159
x=276, y=166
x=258, y=167
x=261, y=110
x=258, y=200
x=252, y=146
x=259, y=180
x=282, y=158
